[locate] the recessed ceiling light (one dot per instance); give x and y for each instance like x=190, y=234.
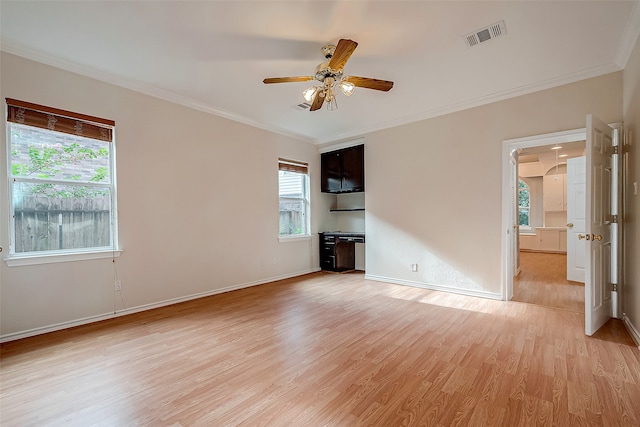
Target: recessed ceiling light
x=562, y=155
x=557, y=147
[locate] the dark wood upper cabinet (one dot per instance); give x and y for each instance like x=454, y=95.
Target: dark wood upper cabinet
x=331, y=172
x=342, y=171
x=353, y=169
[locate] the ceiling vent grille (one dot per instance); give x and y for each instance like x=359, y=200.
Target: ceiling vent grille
x=485, y=34
x=303, y=106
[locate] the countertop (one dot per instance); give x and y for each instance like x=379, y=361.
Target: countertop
x=344, y=236
x=344, y=233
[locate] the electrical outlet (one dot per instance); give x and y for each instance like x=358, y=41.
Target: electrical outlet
x=414, y=267
x=117, y=285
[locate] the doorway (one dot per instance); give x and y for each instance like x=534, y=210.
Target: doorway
x=550, y=197
x=601, y=221
x=511, y=263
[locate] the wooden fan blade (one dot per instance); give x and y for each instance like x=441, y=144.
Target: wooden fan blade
x=366, y=82
x=317, y=102
x=343, y=52
x=287, y=79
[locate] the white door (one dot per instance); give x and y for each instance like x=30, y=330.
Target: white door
x=576, y=216
x=597, y=299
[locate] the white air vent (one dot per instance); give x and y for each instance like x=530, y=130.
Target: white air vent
x=303, y=106
x=485, y=34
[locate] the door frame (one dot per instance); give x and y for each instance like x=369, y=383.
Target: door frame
x=508, y=221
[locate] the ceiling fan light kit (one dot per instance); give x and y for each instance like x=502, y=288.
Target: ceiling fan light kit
x=310, y=94
x=330, y=74
x=347, y=87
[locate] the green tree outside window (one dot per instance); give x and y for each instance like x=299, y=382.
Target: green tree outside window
x=524, y=204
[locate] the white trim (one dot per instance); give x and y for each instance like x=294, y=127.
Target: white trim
x=296, y=238
x=50, y=258
x=479, y=101
x=629, y=38
x=430, y=286
x=144, y=307
x=136, y=86
x=631, y=329
x=507, y=146
x=548, y=138
x=14, y=48
x=325, y=148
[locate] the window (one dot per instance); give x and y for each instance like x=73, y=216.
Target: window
x=293, y=179
x=524, y=204
x=62, y=186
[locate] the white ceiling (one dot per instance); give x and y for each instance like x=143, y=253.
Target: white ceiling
x=213, y=55
x=547, y=154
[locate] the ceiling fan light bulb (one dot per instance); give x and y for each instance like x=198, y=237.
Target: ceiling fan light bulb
x=332, y=105
x=310, y=94
x=347, y=88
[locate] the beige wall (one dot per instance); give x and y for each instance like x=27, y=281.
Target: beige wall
x=433, y=197
x=434, y=187
x=631, y=102
x=190, y=222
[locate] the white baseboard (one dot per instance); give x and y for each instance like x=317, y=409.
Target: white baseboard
x=632, y=330
x=123, y=312
x=450, y=289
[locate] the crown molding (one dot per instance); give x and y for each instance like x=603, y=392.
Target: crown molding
x=479, y=101
x=150, y=90
x=630, y=37
x=137, y=86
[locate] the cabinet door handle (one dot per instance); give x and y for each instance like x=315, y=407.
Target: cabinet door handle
x=570, y=225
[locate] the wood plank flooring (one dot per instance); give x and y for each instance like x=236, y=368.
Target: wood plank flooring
x=326, y=350
x=543, y=281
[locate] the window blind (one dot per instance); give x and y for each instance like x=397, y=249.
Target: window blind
x=293, y=166
x=54, y=119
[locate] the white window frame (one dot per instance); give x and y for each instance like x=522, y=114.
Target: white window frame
x=306, y=197
x=62, y=255
x=528, y=190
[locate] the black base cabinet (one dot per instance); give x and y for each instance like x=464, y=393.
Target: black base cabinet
x=338, y=251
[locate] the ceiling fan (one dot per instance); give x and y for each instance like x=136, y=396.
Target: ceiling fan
x=330, y=74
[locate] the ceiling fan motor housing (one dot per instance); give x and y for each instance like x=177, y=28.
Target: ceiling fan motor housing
x=323, y=71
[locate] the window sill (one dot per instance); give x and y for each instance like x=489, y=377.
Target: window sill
x=16, y=261
x=294, y=238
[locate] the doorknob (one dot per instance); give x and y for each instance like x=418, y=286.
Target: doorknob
x=570, y=225
x=590, y=237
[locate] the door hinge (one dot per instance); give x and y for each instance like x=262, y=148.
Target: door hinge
x=615, y=149
x=614, y=287
x=612, y=219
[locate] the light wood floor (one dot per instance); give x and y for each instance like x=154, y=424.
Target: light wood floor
x=326, y=350
x=543, y=281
